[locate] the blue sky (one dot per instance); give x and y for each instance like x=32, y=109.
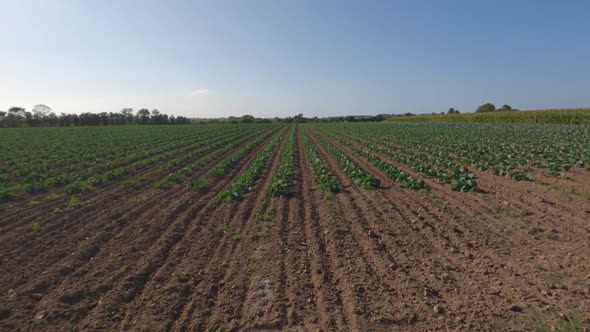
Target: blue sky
x=279, y=58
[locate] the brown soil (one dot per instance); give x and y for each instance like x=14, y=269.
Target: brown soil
x=146, y=259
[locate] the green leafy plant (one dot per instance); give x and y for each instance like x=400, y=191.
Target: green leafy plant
x=323, y=177
x=361, y=177
x=283, y=181
x=243, y=184
x=73, y=202
x=35, y=225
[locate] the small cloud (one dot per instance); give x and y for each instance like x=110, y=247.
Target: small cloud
x=200, y=92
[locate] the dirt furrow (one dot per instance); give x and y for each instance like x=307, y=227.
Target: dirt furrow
x=506, y=257
x=165, y=269
x=185, y=274
x=504, y=230
x=136, y=223
x=385, y=285
x=265, y=302
x=58, y=209
x=60, y=230
x=397, y=256
x=45, y=212
x=496, y=269
x=556, y=209
x=237, y=281
x=301, y=310
x=328, y=300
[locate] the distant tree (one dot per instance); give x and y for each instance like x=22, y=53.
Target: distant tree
x=182, y=120
x=16, y=117
x=143, y=116
x=485, y=108
x=62, y=120
x=116, y=118
x=42, y=115
x=451, y=111
x=156, y=117
x=87, y=119
x=506, y=108
x=127, y=114
x=247, y=118
x=75, y=119
x=299, y=118
x=16, y=111
x=41, y=110
x=103, y=119
x=52, y=120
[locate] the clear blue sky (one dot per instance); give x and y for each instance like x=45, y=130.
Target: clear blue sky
x=279, y=58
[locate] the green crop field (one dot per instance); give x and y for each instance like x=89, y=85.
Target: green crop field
x=358, y=217
x=578, y=116
x=73, y=160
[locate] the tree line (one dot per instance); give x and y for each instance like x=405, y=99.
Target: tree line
x=43, y=116
x=299, y=118
x=489, y=107
x=486, y=108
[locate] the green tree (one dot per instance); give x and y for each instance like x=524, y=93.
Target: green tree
x=127, y=114
x=16, y=116
x=16, y=111
x=143, y=116
x=247, y=118
x=505, y=108
x=487, y=107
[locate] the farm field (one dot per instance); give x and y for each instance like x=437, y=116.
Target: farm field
x=579, y=116
x=381, y=226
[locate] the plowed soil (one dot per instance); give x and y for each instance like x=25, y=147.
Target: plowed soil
x=512, y=255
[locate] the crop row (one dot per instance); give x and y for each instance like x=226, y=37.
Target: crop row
x=283, y=181
x=360, y=176
x=204, y=145
x=323, y=177
x=456, y=175
x=243, y=184
x=230, y=162
x=393, y=172
x=167, y=160
x=442, y=168
x=209, y=152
